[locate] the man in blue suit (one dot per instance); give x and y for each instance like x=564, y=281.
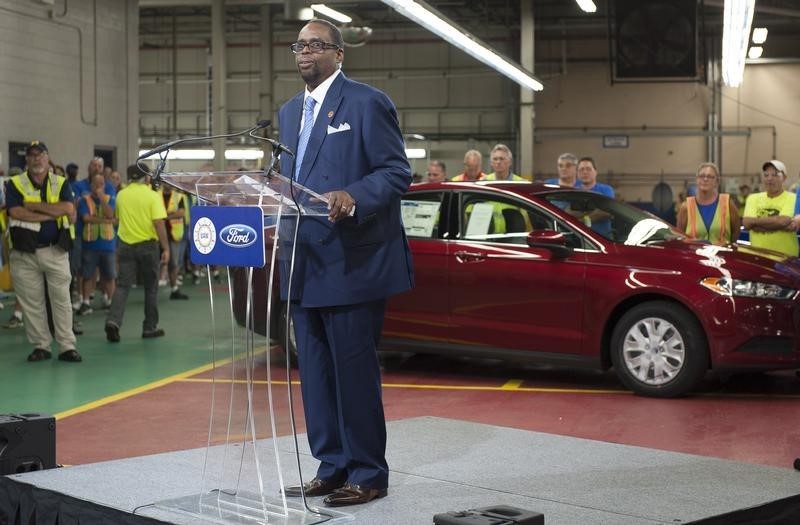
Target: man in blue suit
x=349, y=148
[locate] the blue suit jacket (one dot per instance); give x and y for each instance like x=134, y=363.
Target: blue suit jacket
x=361, y=258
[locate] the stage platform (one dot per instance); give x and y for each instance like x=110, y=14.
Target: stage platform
x=439, y=465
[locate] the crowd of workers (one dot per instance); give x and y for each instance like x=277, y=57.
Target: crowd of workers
x=64, y=235
x=771, y=217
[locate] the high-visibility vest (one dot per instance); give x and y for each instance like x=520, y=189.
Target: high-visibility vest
x=720, y=230
x=176, y=225
x=30, y=194
x=97, y=230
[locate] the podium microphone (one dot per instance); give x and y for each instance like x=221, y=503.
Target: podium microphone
x=156, y=177
x=261, y=124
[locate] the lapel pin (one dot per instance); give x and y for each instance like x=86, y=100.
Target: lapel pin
x=330, y=114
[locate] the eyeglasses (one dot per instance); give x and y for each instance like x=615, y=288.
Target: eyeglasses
x=315, y=46
x=707, y=177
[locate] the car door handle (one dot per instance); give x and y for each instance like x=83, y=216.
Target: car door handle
x=465, y=256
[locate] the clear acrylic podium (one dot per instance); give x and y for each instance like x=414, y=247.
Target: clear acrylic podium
x=243, y=475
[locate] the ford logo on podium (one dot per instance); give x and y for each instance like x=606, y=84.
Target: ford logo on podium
x=228, y=236
x=238, y=235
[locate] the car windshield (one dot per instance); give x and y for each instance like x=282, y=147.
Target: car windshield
x=614, y=220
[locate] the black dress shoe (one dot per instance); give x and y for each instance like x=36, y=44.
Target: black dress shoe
x=315, y=487
x=71, y=356
x=39, y=354
x=352, y=494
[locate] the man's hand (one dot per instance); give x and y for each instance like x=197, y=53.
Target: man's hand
x=340, y=205
x=164, y=256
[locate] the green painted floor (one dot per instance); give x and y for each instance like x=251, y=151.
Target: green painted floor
x=107, y=369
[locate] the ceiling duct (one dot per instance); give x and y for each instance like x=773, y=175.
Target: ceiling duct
x=354, y=36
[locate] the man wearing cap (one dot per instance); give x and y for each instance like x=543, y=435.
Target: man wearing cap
x=41, y=211
x=768, y=215
x=142, y=235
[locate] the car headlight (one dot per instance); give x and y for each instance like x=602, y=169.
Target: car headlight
x=741, y=288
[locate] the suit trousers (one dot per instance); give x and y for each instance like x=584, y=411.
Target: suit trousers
x=341, y=385
x=140, y=259
x=29, y=272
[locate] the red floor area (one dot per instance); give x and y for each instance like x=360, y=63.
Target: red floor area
x=751, y=419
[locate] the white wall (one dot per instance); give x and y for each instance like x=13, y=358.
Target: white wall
x=67, y=78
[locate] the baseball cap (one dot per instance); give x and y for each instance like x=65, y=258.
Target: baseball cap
x=778, y=165
x=38, y=144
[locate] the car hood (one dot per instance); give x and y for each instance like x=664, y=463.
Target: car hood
x=738, y=261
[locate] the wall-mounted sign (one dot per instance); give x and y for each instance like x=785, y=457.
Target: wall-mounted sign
x=615, y=141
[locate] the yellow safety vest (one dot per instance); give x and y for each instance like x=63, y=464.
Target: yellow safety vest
x=30, y=194
x=719, y=231
x=97, y=230
x=176, y=225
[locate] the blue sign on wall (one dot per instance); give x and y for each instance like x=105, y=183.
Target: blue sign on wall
x=227, y=236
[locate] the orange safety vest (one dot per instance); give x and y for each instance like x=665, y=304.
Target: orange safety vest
x=97, y=230
x=176, y=225
x=719, y=233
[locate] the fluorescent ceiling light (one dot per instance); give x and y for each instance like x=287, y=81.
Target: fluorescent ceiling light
x=755, y=52
x=432, y=20
x=737, y=19
x=243, y=154
x=760, y=35
x=208, y=154
x=331, y=13
x=587, y=5
x=416, y=153
x=185, y=154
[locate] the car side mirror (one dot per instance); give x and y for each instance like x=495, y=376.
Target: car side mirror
x=550, y=240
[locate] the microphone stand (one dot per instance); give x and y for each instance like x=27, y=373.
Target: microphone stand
x=163, y=149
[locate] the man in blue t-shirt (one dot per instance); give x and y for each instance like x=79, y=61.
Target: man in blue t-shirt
x=598, y=220
x=96, y=211
x=567, y=171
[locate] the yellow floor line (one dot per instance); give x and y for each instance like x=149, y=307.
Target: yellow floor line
x=439, y=387
x=512, y=384
x=138, y=390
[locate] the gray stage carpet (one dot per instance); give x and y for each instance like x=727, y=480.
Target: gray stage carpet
x=439, y=465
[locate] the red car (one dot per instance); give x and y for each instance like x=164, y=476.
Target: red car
x=537, y=273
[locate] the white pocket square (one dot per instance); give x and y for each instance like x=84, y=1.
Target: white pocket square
x=344, y=126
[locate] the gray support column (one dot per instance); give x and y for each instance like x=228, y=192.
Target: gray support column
x=526, y=109
x=130, y=150
x=266, y=86
x=219, y=116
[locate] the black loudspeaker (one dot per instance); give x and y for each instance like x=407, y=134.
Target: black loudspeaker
x=655, y=39
x=27, y=443
x=496, y=515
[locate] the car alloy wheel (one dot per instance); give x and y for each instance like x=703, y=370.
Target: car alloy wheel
x=653, y=351
x=659, y=349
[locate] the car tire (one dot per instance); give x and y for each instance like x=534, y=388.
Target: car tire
x=659, y=349
x=286, y=337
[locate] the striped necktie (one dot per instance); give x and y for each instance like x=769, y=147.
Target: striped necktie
x=305, y=133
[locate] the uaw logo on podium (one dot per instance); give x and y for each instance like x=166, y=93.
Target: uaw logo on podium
x=252, y=449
